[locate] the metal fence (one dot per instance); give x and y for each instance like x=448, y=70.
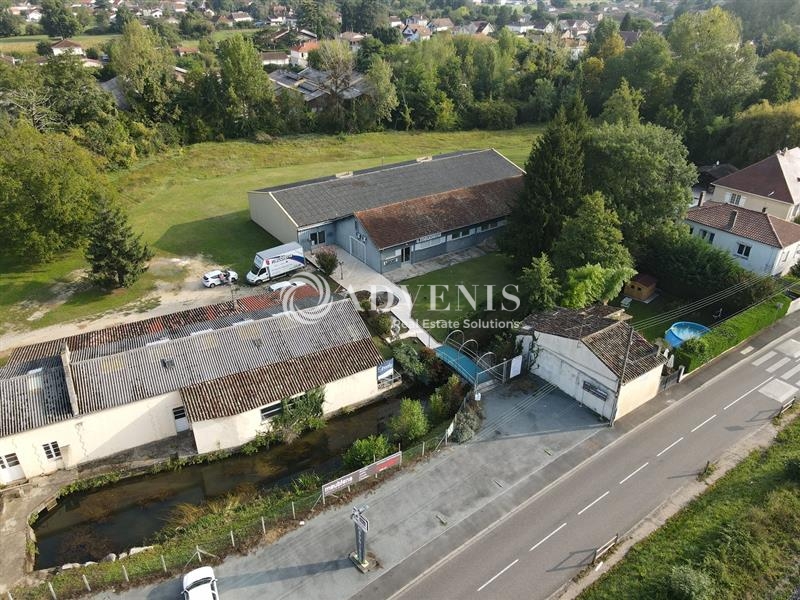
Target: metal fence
x=176, y=555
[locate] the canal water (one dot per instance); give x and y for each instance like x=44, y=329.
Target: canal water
x=89, y=525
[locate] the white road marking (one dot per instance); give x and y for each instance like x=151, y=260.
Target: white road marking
x=747, y=392
x=764, y=358
x=592, y=503
x=778, y=364
x=670, y=446
x=498, y=575
x=703, y=423
x=791, y=372
x=547, y=537
x=748, y=350
x=634, y=473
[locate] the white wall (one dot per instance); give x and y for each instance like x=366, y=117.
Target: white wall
x=232, y=432
x=638, y=391
x=265, y=211
x=779, y=209
x=763, y=259
x=95, y=435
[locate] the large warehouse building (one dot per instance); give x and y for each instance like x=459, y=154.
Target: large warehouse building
x=404, y=212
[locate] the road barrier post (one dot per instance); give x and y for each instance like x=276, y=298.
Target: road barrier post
x=52, y=591
x=86, y=583
x=605, y=548
x=263, y=526
x=163, y=563
x=125, y=574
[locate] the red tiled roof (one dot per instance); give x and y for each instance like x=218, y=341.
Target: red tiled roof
x=410, y=220
x=749, y=224
x=250, y=390
x=307, y=46
x=66, y=44
x=777, y=177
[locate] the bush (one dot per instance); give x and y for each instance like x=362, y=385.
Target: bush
x=380, y=324
x=410, y=423
x=467, y=424
x=327, y=259
x=366, y=451
x=792, y=467
x=687, y=583
x=696, y=352
x=409, y=361
x=437, y=408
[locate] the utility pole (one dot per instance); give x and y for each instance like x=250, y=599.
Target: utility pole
x=622, y=374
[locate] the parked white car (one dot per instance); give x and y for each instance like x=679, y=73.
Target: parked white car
x=286, y=284
x=218, y=277
x=200, y=584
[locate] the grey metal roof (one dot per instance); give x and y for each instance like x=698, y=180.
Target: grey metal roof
x=167, y=366
x=33, y=400
x=319, y=200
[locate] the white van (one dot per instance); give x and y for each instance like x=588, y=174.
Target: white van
x=272, y=263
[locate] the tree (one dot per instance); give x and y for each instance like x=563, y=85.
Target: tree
x=410, y=423
x=246, y=88
x=781, y=77
x=57, y=20
x=10, y=25
x=539, y=286
x=593, y=283
x=336, y=59
x=382, y=94
x=553, y=184
x=643, y=172
x=591, y=236
x=299, y=414
x=117, y=256
x=623, y=105
x=49, y=192
x=606, y=41
x=365, y=451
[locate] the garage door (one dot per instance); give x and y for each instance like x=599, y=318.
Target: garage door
x=10, y=469
x=181, y=422
x=358, y=249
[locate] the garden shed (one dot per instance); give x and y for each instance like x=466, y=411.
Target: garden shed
x=641, y=287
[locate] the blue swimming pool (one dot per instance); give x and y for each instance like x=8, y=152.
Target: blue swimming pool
x=682, y=331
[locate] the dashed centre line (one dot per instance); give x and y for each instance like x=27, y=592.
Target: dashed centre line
x=498, y=575
x=703, y=423
x=547, y=537
x=670, y=446
x=750, y=391
x=593, y=502
x=634, y=473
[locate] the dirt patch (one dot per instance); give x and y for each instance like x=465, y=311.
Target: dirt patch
x=60, y=292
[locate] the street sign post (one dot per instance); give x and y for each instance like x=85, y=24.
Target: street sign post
x=362, y=527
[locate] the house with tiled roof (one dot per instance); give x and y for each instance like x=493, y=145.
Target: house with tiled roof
x=66, y=47
x=298, y=55
x=761, y=242
x=593, y=355
x=771, y=185
x=217, y=373
x=399, y=213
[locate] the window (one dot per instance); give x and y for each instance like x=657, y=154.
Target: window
x=318, y=237
x=460, y=233
x=707, y=235
x=8, y=461
x=784, y=255
x=795, y=210
x=179, y=412
x=691, y=230
x=271, y=410
x=487, y=226
x=736, y=200
x=710, y=237
x=52, y=451
x=743, y=251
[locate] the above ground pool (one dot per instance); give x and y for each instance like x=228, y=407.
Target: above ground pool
x=682, y=331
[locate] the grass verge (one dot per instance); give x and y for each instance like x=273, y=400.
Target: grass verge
x=742, y=535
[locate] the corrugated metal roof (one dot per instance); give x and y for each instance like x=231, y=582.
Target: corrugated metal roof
x=249, y=390
x=167, y=366
x=33, y=400
x=319, y=200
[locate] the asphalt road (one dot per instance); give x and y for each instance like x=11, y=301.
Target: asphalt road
x=543, y=544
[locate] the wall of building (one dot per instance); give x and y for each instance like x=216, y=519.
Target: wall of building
x=638, y=391
x=94, y=436
x=782, y=210
x=267, y=213
x=568, y=364
x=352, y=228
x=763, y=259
x=233, y=431
x=304, y=236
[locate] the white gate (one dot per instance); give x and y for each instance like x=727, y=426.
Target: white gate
x=358, y=249
x=181, y=422
x=10, y=469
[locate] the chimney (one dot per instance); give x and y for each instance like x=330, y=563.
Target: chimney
x=701, y=199
x=73, y=396
x=732, y=219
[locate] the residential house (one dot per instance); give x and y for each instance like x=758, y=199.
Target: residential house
x=396, y=22
x=416, y=33
x=576, y=27
x=443, y=25
x=66, y=47
x=299, y=54
x=771, y=185
x=185, y=50
x=218, y=373
x=417, y=20
x=241, y=17
x=33, y=16
x=280, y=59
x=709, y=174
x=395, y=214
x=222, y=21
x=761, y=242
x=543, y=27
x=521, y=27
x=353, y=39
x=594, y=356
x=630, y=37
x=304, y=35
x=313, y=85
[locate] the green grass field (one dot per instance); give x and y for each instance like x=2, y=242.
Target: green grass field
x=193, y=201
x=26, y=44
x=664, y=303
x=743, y=533
x=451, y=304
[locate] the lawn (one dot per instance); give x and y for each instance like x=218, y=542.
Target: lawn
x=743, y=533
x=662, y=304
x=450, y=303
x=193, y=201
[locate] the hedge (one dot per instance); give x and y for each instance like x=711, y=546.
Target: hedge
x=698, y=351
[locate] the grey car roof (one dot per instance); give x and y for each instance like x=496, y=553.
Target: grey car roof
x=325, y=199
